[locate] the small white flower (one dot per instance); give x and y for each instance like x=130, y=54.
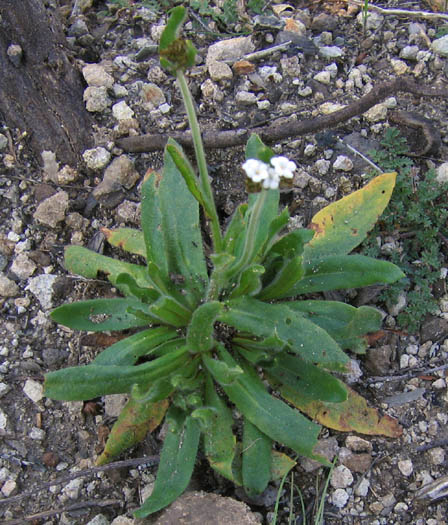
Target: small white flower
x=272, y=181
x=256, y=170
x=283, y=167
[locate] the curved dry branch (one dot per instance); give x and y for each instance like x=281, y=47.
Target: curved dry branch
x=292, y=127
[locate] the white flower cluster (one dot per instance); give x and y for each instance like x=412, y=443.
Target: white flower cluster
x=269, y=174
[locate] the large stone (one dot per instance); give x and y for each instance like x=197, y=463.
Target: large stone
x=440, y=46
x=8, y=288
x=200, y=508
x=96, y=75
x=231, y=49
x=51, y=211
x=118, y=175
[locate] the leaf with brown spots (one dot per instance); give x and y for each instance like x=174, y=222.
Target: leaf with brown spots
x=344, y=224
x=352, y=415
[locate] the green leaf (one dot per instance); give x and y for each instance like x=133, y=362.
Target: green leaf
x=81, y=261
x=200, y=330
x=170, y=221
x=293, y=243
x=221, y=371
x=127, y=351
x=127, y=239
x=81, y=383
x=256, y=459
x=187, y=172
x=98, y=315
x=219, y=440
x=249, y=282
x=145, y=295
x=170, y=311
x=235, y=229
x=303, y=337
x=344, y=224
x=307, y=379
x=286, y=277
x=255, y=149
x=345, y=271
x=273, y=417
x=278, y=223
x=281, y=464
x=346, y=324
x=134, y=422
x=176, y=462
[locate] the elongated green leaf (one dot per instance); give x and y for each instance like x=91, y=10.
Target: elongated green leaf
x=176, y=462
x=273, y=417
x=200, y=330
x=145, y=295
x=344, y=224
x=127, y=239
x=170, y=221
x=81, y=261
x=346, y=324
x=307, y=379
x=256, y=469
x=345, y=271
x=170, y=311
x=303, y=337
x=223, y=373
x=98, y=315
x=249, y=282
x=278, y=223
x=292, y=244
x=134, y=422
x=186, y=170
x=219, y=440
x=235, y=229
x=127, y=351
x=286, y=277
x=81, y=383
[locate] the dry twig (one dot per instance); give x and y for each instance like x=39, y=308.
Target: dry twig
x=291, y=127
x=428, y=15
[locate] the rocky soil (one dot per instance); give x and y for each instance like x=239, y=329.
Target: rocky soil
x=333, y=59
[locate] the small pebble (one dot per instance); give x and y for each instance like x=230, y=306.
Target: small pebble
x=34, y=390
x=406, y=467
x=339, y=498
x=341, y=477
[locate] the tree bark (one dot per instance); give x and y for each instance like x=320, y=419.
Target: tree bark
x=40, y=88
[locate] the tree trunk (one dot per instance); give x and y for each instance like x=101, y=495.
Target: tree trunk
x=40, y=88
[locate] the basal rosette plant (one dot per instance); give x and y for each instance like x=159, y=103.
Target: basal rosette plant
x=214, y=337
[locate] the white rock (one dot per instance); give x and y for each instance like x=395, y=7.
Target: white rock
x=71, y=490
x=34, y=390
x=404, y=361
x=263, y=104
x=409, y=52
x=376, y=113
x=3, y=142
x=4, y=474
x=442, y=173
x=343, y=163
x=399, y=67
x=96, y=75
x=114, y=404
x=121, y=111
x=3, y=420
x=400, y=507
x=330, y=52
x=9, y=487
x=322, y=166
x=23, y=267
x=341, y=477
x=374, y=20
x=4, y=389
x=358, y=444
x=324, y=77
x=440, y=46
x=231, y=49
x=395, y=308
x=99, y=519
x=8, y=288
x=96, y=158
x=37, y=434
x=152, y=96
x=436, y=455
x=123, y=520
x=362, y=488
x=42, y=287
x=330, y=107
x=164, y=108
x=96, y=98
x=406, y=467
x=244, y=98
x=439, y=384
x=219, y=71
x=310, y=150
x=339, y=498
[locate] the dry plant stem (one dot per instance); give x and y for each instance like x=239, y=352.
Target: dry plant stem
x=292, y=127
x=135, y=462
x=411, y=373
x=76, y=506
x=402, y=12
